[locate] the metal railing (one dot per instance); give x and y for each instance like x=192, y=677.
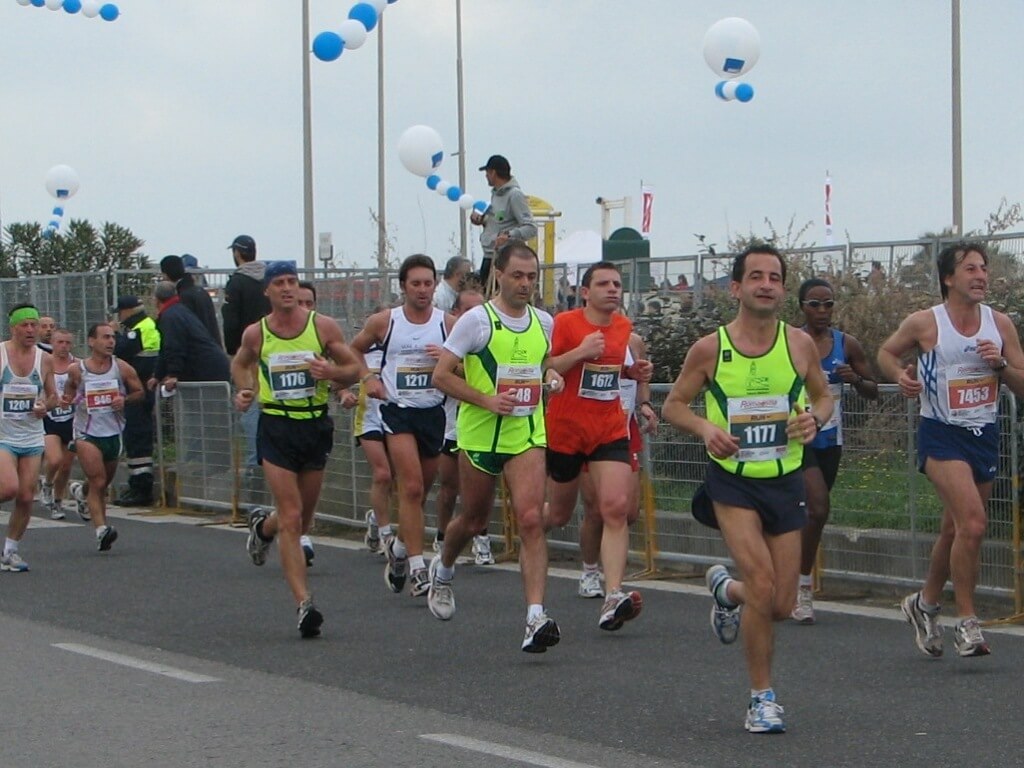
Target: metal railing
x=884, y=512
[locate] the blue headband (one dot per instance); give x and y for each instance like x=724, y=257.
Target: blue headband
x=278, y=268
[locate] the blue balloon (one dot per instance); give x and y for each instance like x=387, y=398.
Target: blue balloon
x=109, y=12
x=433, y=181
x=718, y=89
x=744, y=92
x=72, y=6
x=38, y=3
x=453, y=193
x=481, y=206
x=54, y=224
x=58, y=211
x=365, y=14
x=328, y=46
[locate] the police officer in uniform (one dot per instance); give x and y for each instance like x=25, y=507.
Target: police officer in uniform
x=138, y=344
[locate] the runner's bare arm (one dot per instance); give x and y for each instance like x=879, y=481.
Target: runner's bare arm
x=345, y=367
x=803, y=426
x=913, y=333
x=131, y=382
x=1013, y=373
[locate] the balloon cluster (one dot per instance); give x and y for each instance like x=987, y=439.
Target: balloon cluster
x=89, y=8
x=62, y=183
x=421, y=152
x=732, y=47
x=362, y=19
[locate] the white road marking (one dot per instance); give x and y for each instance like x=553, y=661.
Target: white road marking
x=501, y=750
x=129, y=661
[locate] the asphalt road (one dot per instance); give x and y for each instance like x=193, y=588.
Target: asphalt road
x=173, y=650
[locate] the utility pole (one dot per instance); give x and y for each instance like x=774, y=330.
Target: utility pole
x=307, y=147
x=463, y=239
x=958, y=170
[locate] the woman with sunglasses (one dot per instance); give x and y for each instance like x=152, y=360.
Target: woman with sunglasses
x=843, y=361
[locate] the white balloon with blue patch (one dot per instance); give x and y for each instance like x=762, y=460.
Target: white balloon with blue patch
x=732, y=47
x=421, y=151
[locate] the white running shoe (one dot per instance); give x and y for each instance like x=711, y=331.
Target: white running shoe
x=590, y=585
x=13, y=563
x=541, y=634
x=764, y=715
x=77, y=491
x=45, y=493
x=968, y=640
x=372, y=537
x=803, y=612
x=482, y=550
x=927, y=630
x=440, y=596
x=56, y=513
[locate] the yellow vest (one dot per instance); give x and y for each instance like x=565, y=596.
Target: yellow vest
x=287, y=387
x=753, y=398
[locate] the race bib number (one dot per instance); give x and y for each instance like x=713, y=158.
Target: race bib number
x=523, y=381
x=627, y=394
x=972, y=390
x=759, y=423
x=836, y=390
x=62, y=413
x=600, y=382
x=99, y=395
x=18, y=400
x=290, y=376
x=414, y=374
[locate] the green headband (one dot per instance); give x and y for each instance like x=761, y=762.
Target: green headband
x=23, y=314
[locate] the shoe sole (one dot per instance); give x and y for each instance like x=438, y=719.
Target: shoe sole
x=311, y=623
x=309, y=554
x=623, y=613
x=806, y=621
x=762, y=729
x=108, y=540
x=546, y=637
x=13, y=569
x=395, y=583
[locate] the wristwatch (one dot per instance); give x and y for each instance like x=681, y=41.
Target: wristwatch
x=1003, y=362
x=818, y=423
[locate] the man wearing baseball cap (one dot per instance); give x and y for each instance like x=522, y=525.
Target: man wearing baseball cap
x=506, y=218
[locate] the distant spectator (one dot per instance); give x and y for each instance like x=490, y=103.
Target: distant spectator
x=682, y=284
x=244, y=300
x=187, y=350
x=191, y=295
x=876, y=278
x=508, y=216
x=453, y=280
x=192, y=267
x=570, y=297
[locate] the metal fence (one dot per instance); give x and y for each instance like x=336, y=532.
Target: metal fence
x=884, y=513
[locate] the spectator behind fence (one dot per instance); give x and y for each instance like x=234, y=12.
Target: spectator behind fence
x=192, y=296
x=454, y=280
x=187, y=351
x=244, y=300
x=507, y=217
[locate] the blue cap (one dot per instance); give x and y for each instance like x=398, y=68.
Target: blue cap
x=278, y=268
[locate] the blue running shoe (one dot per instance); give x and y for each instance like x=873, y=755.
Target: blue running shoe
x=725, y=619
x=764, y=715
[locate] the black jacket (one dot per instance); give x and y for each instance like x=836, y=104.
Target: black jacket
x=187, y=351
x=244, y=303
x=199, y=301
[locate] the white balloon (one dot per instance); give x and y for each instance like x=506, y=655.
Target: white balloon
x=466, y=201
x=442, y=187
x=420, y=150
x=378, y=5
x=24, y=2
x=353, y=33
x=61, y=181
x=54, y=5
x=91, y=8
x=731, y=47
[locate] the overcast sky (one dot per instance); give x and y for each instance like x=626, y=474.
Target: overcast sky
x=183, y=119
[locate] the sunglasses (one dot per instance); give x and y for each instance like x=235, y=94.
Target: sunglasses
x=816, y=304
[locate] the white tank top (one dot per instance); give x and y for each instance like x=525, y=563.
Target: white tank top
x=19, y=428
x=628, y=389
x=367, y=415
x=94, y=414
x=406, y=369
x=960, y=388
x=61, y=413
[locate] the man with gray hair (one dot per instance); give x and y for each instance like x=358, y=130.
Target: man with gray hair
x=453, y=280
x=187, y=350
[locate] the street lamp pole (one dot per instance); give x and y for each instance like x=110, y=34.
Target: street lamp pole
x=382, y=232
x=463, y=239
x=958, y=171
x=307, y=146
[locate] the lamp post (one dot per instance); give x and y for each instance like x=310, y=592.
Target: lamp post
x=463, y=239
x=307, y=147
x=958, y=171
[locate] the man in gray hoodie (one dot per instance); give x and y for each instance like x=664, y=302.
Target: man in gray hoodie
x=507, y=217
x=244, y=304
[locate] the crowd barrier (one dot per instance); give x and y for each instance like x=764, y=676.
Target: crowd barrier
x=884, y=512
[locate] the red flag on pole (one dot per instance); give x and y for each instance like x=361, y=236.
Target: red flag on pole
x=828, y=210
x=647, y=195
